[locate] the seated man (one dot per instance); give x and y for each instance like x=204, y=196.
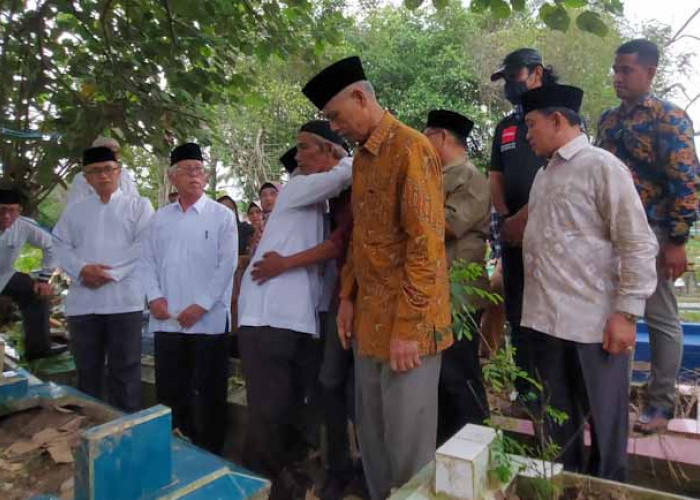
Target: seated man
x=590, y=265
x=98, y=241
x=279, y=317
x=30, y=295
x=461, y=394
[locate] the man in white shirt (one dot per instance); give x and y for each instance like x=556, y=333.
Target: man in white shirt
x=98, y=242
x=278, y=318
x=188, y=265
x=589, y=258
x=31, y=296
x=80, y=188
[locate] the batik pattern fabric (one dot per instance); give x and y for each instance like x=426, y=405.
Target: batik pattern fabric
x=396, y=272
x=654, y=139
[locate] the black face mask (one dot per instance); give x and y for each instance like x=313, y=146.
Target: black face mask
x=514, y=91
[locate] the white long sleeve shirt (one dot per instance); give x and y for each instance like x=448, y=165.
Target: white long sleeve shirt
x=112, y=233
x=291, y=300
x=190, y=258
x=80, y=189
x=588, y=249
x=24, y=230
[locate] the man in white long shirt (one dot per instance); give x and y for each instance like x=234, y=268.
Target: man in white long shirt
x=30, y=295
x=80, y=188
x=278, y=318
x=188, y=265
x=98, y=241
x=589, y=258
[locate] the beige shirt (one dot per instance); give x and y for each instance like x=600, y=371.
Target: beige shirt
x=588, y=250
x=467, y=211
x=468, y=214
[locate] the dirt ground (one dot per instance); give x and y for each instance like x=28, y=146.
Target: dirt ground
x=37, y=448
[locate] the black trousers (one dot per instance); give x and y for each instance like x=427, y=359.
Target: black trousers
x=273, y=361
x=589, y=385
x=35, y=315
x=337, y=380
x=513, y=286
x=192, y=379
x=461, y=394
x=118, y=338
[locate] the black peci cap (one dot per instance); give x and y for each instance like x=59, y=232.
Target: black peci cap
x=553, y=96
x=322, y=128
x=288, y=160
x=326, y=84
x=98, y=154
x=187, y=151
x=456, y=123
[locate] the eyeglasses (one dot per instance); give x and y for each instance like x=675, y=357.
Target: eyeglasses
x=101, y=170
x=191, y=171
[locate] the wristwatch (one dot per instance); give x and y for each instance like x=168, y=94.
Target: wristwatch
x=629, y=316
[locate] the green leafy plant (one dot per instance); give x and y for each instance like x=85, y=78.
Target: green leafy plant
x=557, y=15
x=462, y=290
x=501, y=374
x=29, y=259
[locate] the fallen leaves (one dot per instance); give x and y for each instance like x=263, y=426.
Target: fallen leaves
x=55, y=441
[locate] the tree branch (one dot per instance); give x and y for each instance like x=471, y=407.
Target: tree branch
x=692, y=101
x=171, y=26
x=676, y=37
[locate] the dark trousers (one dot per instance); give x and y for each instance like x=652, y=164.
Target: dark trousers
x=118, y=338
x=273, y=365
x=337, y=380
x=192, y=379
x=588, y=384
x=461, y=394
x=513, y=285
x=35, y=315
x=311, y=415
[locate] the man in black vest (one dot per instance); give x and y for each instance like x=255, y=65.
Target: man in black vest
x=512, y=171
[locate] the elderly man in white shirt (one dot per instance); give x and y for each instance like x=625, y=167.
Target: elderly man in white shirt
x=188, y=265
x=590, y=264
x=278, y=318
x=98, y=241
x=80, y=188
x=30, y=295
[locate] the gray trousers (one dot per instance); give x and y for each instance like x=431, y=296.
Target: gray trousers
x=588, y=384
x=118, y=338
x=665, y=343
x=396, y=416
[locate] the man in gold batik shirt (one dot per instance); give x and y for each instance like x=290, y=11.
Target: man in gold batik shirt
x=394, y=287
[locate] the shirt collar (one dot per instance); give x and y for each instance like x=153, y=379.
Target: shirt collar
x=379, y=135
x=571, y=148
x=198, y=205
x=455, y=163
x=116, y=194
x=645, y=101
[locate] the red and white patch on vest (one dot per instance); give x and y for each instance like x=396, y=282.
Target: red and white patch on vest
x=508, y=134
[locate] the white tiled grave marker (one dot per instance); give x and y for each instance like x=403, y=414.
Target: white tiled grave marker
x=462, y=463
